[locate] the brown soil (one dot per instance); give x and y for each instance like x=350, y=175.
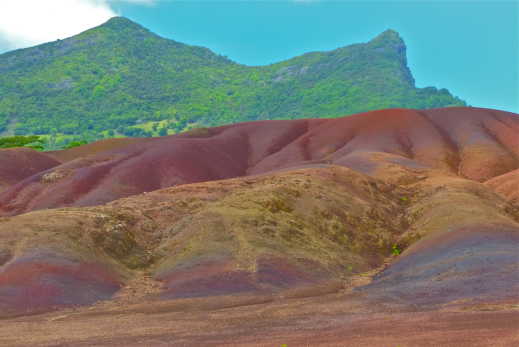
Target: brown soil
x=336, y=319
x=473, y=143
x=370, y=230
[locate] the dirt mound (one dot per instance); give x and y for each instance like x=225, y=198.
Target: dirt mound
x=478, y=144
x=244, y=236
x=506, y=185
x=16, y=164
x=331, y=226
x=472, y=264
x=36, y=281
x=307, y=230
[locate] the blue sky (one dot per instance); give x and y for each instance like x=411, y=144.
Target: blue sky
x=469, y=47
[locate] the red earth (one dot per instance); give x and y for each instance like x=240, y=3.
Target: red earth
x=507, y=185
x=478, y=144
x=389, y=228
x=16, y=164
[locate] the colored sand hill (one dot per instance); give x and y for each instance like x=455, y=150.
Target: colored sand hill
x=17, y=164
x=477, y=144
x=277, y=227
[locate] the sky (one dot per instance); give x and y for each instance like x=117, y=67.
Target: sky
x=470, y=47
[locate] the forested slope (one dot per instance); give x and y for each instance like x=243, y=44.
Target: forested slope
x=120, y=79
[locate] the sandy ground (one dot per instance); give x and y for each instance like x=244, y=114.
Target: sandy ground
x=341, y=318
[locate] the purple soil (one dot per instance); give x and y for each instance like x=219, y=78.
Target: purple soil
x=476, y=143
x=216, y=277
x=278, y=273
x=222, y=278
x=39, y=282
x=17, y=164
x=476, y=263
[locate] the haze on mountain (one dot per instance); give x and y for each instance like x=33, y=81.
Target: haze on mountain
x=120, y=79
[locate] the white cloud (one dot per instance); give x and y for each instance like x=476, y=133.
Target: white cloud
x=25, y=23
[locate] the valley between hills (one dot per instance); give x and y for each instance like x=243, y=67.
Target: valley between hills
x=396, y=227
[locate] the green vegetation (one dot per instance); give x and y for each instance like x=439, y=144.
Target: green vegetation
x=33, y=142
x=395, y=250
x=75, y=144
x=120, y=79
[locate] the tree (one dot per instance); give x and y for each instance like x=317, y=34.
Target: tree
x=33, y=142
x=75, y=144
x=163, y=131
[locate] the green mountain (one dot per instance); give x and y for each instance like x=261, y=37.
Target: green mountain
x=120, y=79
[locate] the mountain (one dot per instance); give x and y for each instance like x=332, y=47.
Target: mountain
x=121, y=79
x=390, y=227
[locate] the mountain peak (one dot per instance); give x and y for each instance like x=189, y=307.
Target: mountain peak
x=118, y=23
x=388, y=37
x=120, y=20
x=390, y=33
x=390, y=44
x=389, y=41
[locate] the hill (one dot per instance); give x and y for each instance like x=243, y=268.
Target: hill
x=120, y=79
x=16, y=164
x=368, y=229
x=478, y=144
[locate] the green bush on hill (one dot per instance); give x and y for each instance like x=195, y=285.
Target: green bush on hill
x=33, y=142
x=75, y=144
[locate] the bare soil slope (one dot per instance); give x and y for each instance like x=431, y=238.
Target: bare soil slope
x=16, y=164
x=365, y=231
x=478, y=144
x=507, y=185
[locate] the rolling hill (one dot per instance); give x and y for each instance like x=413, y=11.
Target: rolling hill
x=394, y=226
